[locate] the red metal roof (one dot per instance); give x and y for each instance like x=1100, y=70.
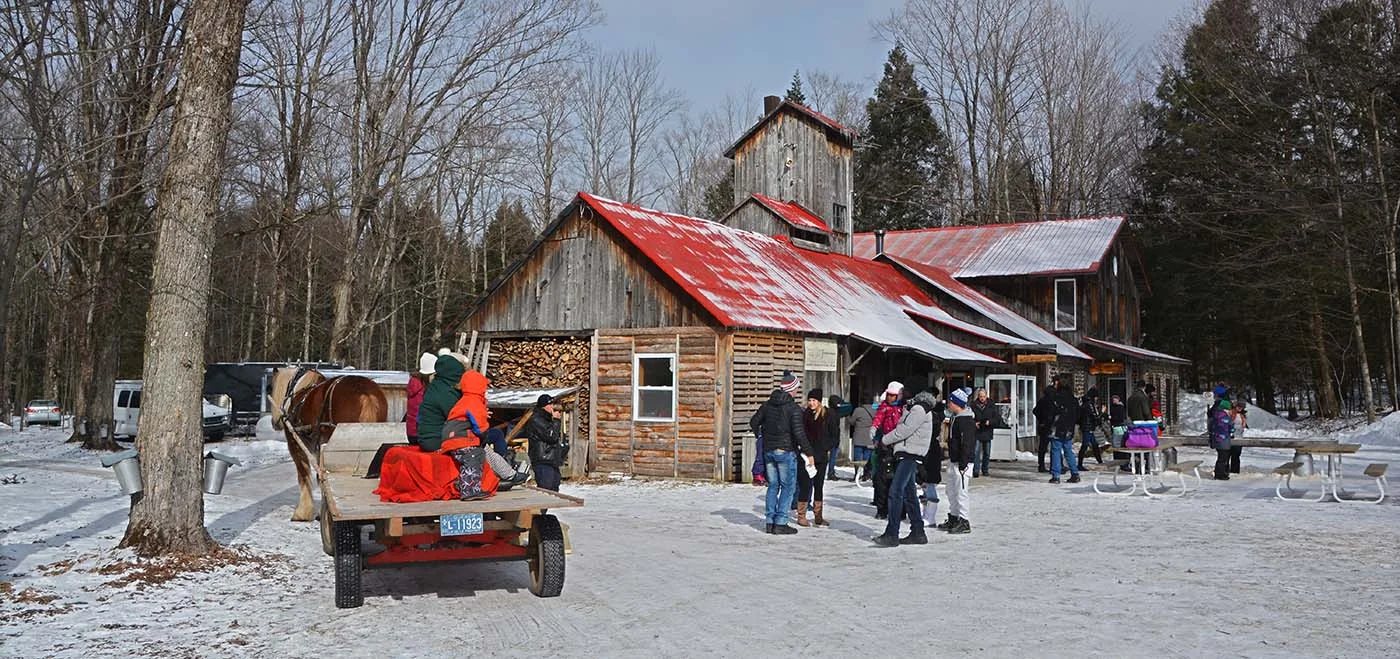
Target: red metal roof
x=844, y=135
x=988, y=308
x=750, y=280
x=1000, y=250
x=1134, y=351
x=793, y=213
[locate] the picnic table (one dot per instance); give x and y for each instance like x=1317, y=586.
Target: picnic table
x=1331, y=473
x=1144, y=463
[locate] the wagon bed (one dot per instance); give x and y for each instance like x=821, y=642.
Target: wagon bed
x=511, y=525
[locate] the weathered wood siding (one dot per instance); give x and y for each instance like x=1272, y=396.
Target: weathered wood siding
x=752, y=217
x=759, y=360
x=819, y=177
x=687, y=447
x=584, y=277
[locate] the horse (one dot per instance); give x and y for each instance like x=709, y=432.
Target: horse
x=307, y=406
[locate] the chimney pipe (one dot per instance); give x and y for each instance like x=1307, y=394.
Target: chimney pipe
x=771, y=103
x=879, y=242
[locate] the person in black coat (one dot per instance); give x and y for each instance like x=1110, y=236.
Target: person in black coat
x=1044, y=413
x=547, y=447
x=1062, y=439
x=987, y=418
x=779, y=422
x=1090, y=416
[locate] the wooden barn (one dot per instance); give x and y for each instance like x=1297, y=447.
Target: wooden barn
x=677, y=328
x=691, y=323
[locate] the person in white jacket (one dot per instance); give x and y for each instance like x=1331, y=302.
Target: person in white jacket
x=910, y=440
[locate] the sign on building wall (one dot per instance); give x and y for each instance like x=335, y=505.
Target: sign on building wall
x=820, y=354
x=1036, y=359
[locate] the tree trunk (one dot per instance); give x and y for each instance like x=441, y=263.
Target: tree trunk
x=169, y=518
x=1367, y=393
x=1327, y=405
x=306, y=309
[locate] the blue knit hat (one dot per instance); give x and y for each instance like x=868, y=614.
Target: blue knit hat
x=1220, y=390
x=959, y=396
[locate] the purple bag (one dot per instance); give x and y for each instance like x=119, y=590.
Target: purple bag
x=1141, y=437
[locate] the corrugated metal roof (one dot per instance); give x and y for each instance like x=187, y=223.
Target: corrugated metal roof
x=749, y=280
x=1134, y=351
x=1001, y=250
x=793, y=213
x=990, y=309
x=946, y=319
x=495, y=397
x=844, y=135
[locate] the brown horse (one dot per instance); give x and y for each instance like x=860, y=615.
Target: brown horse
x=306, y=406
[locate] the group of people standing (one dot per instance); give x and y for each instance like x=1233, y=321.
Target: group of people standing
x=898, y=438
x=1059, y=413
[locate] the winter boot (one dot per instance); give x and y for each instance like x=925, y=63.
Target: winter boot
x=769, y=529
x=819, y=520
x=471, y=464
x=1074, y=478
x=963, y=527
x=885, y=540
x=802, y=514
x=915, y=537
x=783, y=529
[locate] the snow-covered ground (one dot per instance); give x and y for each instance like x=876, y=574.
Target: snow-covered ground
x=669, y=569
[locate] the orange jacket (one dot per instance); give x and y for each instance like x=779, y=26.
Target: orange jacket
x=471, y=407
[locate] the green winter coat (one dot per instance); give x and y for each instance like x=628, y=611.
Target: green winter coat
x=442, y=393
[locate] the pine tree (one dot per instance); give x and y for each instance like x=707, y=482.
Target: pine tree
x=902, y=168
x=794, y=92
x=507, y=237
x=719, y=198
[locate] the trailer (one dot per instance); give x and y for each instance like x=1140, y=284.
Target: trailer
x=511, y=526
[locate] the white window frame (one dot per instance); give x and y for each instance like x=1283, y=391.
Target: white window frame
x=637, y=388
x=1074, y=299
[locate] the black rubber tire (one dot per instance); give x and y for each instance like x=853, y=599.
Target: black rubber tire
x=327, y=532
x=349, y=566
x=546, y=556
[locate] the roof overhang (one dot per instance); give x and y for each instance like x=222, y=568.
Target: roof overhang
x=1134, y=351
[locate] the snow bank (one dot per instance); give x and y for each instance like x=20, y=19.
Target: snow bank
x=5, y=426
x=253, y=452
x=1384, y=432
x=1261, y=423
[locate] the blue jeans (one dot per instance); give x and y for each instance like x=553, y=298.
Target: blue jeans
x=904, y=498
x=1063, y=446
x=782, y=485
x=860, y=454
x=982, y=456
x=834, y=454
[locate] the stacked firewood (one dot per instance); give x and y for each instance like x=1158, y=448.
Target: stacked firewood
x=544, y=364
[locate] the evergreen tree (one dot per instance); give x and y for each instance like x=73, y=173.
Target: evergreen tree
x=719, y=198
x=901, y=169
x=507, y=238
x=794, y=92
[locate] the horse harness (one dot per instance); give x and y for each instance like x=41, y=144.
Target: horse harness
x=293, y=411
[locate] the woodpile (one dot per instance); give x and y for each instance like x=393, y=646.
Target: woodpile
x=545, y=364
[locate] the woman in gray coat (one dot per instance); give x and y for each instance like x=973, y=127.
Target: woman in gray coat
x=862, y=448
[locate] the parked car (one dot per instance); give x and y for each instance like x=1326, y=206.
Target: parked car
x=126, y=410
x=42, y=412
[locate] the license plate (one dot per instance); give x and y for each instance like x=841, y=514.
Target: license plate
x=461, y=524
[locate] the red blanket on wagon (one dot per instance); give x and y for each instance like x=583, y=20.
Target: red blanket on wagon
x=409, y=475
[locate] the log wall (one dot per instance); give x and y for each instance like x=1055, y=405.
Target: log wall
x=548, y=363
x=687, y=447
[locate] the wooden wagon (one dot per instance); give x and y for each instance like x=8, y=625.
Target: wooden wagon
x=510, y=526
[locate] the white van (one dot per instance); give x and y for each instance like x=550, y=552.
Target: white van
x=126, y=410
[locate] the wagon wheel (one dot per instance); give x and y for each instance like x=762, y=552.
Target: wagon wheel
x=546, y=556
x=327, y=529
x=348, y=566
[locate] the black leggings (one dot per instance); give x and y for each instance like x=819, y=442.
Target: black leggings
x=1084, y=448
x=1235, y=459
x=809, y=488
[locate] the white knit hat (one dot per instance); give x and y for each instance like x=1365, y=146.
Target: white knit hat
x=894, y=388
x=426, y=363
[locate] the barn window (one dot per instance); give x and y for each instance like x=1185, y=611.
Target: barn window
x=838, y=217
x=654, y=388
x=1066, y=311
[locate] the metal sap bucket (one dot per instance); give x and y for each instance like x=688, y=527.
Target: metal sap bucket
x=215, y=468
x=127, y=466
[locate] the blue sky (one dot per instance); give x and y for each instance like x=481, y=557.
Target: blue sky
x=710, y=48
